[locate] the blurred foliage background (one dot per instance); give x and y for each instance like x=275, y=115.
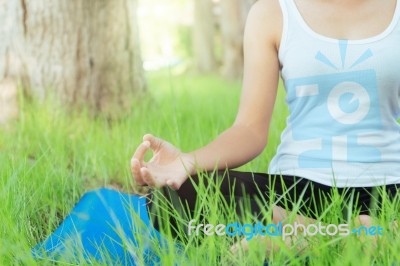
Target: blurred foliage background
x=197, y=34
x=93, y=54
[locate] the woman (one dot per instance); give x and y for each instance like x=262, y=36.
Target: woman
x=341, y=68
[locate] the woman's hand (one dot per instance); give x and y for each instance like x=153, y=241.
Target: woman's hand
x=168, y=166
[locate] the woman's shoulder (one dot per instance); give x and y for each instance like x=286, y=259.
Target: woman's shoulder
x=267, y=8
x=265, y=17
x=267, y=5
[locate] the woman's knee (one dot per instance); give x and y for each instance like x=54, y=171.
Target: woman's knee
x=364, y=219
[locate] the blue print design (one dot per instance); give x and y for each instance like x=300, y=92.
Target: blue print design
x=342, y=100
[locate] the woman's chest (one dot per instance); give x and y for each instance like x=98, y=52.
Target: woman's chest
x=351, y=20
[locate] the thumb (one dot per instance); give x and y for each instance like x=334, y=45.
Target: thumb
x=155, y=143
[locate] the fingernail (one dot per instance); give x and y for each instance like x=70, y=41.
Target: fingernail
x=146, y=143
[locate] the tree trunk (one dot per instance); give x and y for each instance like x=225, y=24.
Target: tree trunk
x=9, y=63
x=232, y=21
x=82, y=52
x=203, y=36
x=8, y=101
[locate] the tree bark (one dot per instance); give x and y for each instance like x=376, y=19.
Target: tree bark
x=203, y=36
x=8, y=101
x=232, y=21
x=82, y=52
x=9, y=63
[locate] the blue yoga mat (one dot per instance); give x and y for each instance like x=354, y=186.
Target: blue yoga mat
x=105, y=226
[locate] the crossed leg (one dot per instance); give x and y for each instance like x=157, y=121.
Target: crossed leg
x=280, y=215
x=294, y=191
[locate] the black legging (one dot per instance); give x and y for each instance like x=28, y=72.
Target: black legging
x=310, y=198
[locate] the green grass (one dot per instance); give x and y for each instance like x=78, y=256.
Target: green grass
x=50, y=157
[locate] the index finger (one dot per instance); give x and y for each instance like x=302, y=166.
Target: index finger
x=141, y=151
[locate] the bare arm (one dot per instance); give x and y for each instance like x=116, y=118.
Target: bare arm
x=247, y=137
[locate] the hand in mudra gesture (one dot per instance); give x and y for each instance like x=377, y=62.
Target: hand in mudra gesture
x=168, y=166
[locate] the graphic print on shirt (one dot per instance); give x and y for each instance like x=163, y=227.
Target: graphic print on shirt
x=347, y=100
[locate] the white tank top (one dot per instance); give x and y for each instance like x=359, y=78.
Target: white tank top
x=344, y=102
